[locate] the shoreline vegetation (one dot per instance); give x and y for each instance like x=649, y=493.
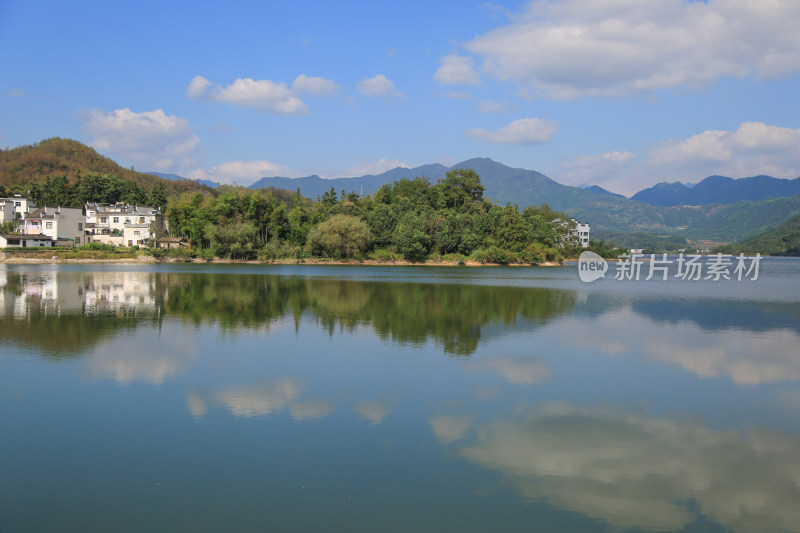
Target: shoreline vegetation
x=409, y=221
x=124, y=256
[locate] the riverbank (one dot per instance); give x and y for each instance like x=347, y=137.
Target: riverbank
x=69, y=257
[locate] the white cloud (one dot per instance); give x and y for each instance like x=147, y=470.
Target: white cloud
x=242, y=172
x=371, y=166
x=638, y=472
x=458, y=95
x=520, y=370
x=575, y=48
x=457, y=70
x=596, y=168
x=302, y=411
x=490, y=106
x=259, y=401
x=449, y=429
x=754, y=148
x=151, y=140
x=315, y=86
x=522, y=131
x=264, y=95
x=375, y=412
x=379, y=85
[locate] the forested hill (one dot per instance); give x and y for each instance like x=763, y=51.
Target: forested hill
x=783, y=240
x=67, y=158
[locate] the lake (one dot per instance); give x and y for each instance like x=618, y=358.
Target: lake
x=289, y=398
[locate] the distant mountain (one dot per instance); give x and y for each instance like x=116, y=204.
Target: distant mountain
x=599, y=190
x=175, y=177
x=718, y=190
x=609, y=214
x=313, y=186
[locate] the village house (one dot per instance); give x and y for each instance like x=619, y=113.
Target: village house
x=65, y=225
x=582, y=230
x=15, y=208
x=18, y=240
x=122, y=224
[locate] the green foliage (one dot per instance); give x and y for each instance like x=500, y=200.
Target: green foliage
x=339, y=236
x=97, y=246
x=462, y=185
x=411, y=218
x=783, y=240
x=411, y=238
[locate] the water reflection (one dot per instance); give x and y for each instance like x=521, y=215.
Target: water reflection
x=742, y=354
x=454, y=316
x=638, y=471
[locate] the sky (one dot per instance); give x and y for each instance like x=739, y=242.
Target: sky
x=619, y=93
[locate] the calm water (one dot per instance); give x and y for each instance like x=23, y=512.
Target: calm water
x=363, y=399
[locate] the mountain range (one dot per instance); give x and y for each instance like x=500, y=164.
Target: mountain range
x=717, y=209
x=742, y=208
x=718, y=190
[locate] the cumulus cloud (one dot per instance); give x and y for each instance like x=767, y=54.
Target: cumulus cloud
x=151, y=139
x=520, y=370
x=596, y=168
x=637, y=471
x=315, y=85
x=727, y=353
x=262, y=400
x=754, y=148
x=372, y=166
x=456, y=70
x=379, y=85
x=242, y=172
x=375, y=412
x=577, y=48
x=449, y=429
x=264, y=95
x=522, y=131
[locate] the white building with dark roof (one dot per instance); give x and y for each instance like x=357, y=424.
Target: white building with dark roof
x=59, y=223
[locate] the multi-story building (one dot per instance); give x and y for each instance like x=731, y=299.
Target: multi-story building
x=15, y=208
x=582, y=230
x=62, y=224
x=122, y=224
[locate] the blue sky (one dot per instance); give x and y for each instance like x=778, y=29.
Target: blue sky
x=620, y=93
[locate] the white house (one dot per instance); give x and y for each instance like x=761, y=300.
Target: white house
x=582, y=230
x=18, y=240
x=59, y=223
x=122, y=224
x=15, y=208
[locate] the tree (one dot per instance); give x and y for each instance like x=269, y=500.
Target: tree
x=411, y=238
x=462, y=185
x=339, y=236
x=158, y=197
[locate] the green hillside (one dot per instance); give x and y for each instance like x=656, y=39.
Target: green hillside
x=70, y=159
x=783, y=240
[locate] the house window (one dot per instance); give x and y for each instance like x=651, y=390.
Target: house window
x=116, y=220
x=34, y=222
x=18, y=204
x=141, y=220
x=104, y=220
x=136, y=233
x=48, y=225
x=77, y=240
x=80, y=226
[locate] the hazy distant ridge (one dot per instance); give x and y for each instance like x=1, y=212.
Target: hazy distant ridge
x=718, y=190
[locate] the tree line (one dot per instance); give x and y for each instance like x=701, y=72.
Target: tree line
x=410, y=219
